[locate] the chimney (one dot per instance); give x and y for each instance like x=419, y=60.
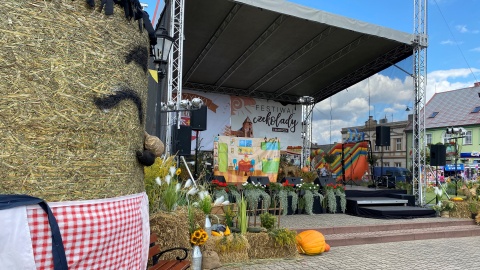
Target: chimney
x=477, y=84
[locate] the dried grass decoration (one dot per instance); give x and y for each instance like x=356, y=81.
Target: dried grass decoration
x=74, y=86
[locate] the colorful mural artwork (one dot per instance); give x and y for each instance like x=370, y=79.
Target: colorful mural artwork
x=237, y=158
x=246, y=117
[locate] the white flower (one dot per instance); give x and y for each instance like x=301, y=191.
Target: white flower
x=192, y=191
x=219, y=201
x=172, y=171
x=188, y=183
x=195, y=204
x=203, y=194
x=177, y=187
x=167, y=179
x=438, y=191
x=158, y=180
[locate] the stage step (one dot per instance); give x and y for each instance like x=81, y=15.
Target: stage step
x=378, y=201
x=371, y=234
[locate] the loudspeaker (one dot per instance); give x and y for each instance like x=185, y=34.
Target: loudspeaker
x=262, y=180
x=382, y=136
x=323, y=181
x=437, y=155
x=182, y=140
x=198, y=119
x=292, y=180
x=220, y=178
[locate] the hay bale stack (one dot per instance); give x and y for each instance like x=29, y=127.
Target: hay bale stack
x=58, y=56
x=262, y=246
x=461, y=210
x=172, y=229
x=230, y=249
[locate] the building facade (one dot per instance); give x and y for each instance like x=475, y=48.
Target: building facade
x=453, y=109
x=394, y=155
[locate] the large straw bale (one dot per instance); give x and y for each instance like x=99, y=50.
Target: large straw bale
x=58, y=56
x=262, y=246
x=230, y=249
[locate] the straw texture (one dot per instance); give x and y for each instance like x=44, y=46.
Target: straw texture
x=57, y=58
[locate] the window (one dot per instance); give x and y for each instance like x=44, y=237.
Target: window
x=398, y=164
x=386, y=164
x=433, y=115
x=468, y=137
x=387, y=148
x=476, y=110
x=429, y=138
x=399, y=144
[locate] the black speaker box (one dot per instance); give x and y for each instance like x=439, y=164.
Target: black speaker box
x=182, y=140
x=198, y=119
x=437, y=155
x=262, y=180
x=292, y=180
x=382, y=136
x=323, y=181
x=220, y=178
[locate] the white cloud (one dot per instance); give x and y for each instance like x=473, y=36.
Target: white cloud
x=388, y=97
x=462, y=28
x=477, y=49
x=447, y=42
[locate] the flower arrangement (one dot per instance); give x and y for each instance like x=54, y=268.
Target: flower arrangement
x=217, y=184
x=198, y=237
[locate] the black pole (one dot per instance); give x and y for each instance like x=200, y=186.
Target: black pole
x=456, y=177
x=196, y=155
x=161, y=75
x=381, y=167
x=436, y=183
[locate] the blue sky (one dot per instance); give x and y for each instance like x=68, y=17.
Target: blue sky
x=453, y=60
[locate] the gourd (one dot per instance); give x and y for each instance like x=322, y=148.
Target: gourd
x=214, y=233
x=310, y=242
x=227, y=231
x=327, y=247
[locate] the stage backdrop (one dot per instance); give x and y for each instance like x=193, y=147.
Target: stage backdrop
x=247, y=117
x=237, y=158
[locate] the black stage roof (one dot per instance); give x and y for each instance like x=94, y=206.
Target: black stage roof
x=278, y=50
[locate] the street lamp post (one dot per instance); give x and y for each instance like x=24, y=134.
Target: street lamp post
x=160, y=52
x=459, y=133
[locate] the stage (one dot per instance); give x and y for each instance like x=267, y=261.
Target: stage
x=383, y=203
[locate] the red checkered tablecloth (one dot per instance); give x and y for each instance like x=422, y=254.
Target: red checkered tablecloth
x=98, y=234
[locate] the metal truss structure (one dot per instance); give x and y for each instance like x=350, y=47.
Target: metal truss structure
x=307, y=113
x=420, y=83
x=175, y=67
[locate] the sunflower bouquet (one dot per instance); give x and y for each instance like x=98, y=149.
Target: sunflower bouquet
x=199, y=237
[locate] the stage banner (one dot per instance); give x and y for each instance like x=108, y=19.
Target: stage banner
x=246, y=117
x=237, y=158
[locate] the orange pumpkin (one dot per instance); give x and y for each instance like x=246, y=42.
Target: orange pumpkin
x=310, y=242
x=327, y=247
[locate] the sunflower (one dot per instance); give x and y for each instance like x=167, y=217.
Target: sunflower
x=199, y=237
x=178, y=172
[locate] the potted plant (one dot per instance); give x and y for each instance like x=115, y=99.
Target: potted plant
x=308, y=191
x=332, y=192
